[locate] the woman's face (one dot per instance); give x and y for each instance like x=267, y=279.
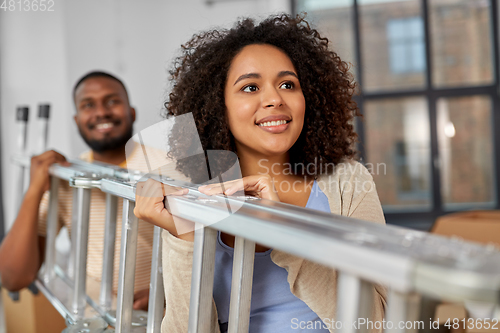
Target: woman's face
x=264, y=101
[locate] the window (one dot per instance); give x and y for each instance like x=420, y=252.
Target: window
x=397, y=136
x=406, y=45
x=429, y=81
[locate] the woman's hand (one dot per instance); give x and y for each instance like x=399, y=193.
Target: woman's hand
x=149, y=207
x=261, y=186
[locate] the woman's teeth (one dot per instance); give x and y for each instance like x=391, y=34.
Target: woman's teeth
x=273, y=123
x=104, y=126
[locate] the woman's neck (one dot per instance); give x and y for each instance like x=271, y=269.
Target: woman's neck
x=292, y=188
x=275, y=166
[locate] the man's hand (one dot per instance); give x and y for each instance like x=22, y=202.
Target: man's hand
x=141, y=299
x=39, y=170
x=21, y=251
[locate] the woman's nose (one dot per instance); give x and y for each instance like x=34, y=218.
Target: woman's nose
x=271, y=98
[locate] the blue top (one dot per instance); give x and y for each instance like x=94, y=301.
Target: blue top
x=274, y=308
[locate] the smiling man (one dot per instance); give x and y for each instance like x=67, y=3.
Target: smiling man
x=105, y=120
x=104, y=116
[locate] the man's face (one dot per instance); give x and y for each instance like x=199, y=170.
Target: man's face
x=103, y=114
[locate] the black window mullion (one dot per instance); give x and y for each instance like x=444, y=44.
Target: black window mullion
x=495, y=40
x=442, y=92
x=431, y=100
x=495, y=98
x=357, y=45
x=496, y=145
x=435, y=165
x=360, y=124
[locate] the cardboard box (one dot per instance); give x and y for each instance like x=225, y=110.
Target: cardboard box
x=31, y=314
x=481, y=226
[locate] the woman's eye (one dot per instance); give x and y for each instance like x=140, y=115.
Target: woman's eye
x=250, y=88
x=287, y=85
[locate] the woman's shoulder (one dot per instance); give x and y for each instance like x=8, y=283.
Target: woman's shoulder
x=348, y=180
x=350, y=189
x=347, y=170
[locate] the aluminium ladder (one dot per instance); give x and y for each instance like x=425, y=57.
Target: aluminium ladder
x=408, y=262
x=405, y=261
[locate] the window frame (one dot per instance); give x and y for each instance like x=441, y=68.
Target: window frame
x=418, y=219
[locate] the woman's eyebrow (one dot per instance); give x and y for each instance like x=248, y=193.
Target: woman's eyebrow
x=285, y=73
x=247, y=76
x=258, y=76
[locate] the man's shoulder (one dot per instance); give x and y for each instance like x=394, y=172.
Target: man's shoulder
x=86, y=156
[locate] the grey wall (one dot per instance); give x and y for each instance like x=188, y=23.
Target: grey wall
x=42, y=54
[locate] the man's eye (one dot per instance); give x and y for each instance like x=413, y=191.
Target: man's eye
x=250, y=88
x=113, y=102
x=287, y=85
x=87, y=106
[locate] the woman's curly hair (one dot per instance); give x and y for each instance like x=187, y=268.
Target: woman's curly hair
x=199, y=76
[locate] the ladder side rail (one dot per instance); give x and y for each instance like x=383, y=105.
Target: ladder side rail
x=202, y=280
x=51, y=231
x=241, y=285
x=126, y=279
x=403, y=313
x=354, y=301
x=404, y=259
x=73, y=235
x=58, y=303
x=396, y=310
x=78, y=302
x=106, y=292
x=156, y=293
x=308, y=237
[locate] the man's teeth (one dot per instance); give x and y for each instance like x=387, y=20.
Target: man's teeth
x=104, y=126
x=273, y=123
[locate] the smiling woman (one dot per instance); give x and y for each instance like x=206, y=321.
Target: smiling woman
x=274, y=94
x=264, y=101
x=201, y=83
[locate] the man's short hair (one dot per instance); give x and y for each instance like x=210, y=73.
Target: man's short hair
x=97, y=74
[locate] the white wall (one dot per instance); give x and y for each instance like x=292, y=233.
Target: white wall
x=43, y=54
x=33, y=67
